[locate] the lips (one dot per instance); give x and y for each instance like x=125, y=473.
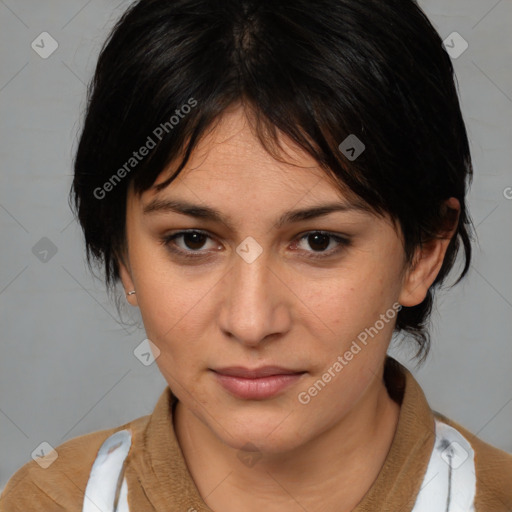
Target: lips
x=258, y=383
x=264, y=371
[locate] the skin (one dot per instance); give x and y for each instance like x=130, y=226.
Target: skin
x=284, y=308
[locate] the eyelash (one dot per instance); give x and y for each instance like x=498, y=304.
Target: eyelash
x=168, y=239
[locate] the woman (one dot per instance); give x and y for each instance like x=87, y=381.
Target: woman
x=279, y=187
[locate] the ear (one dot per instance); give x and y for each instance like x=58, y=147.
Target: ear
x=126, y=278
x=428, y=259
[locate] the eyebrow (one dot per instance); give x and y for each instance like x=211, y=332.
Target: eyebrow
x=211, y=214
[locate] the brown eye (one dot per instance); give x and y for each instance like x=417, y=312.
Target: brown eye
x=194, y=240
x=192, y=243
x=319, y=241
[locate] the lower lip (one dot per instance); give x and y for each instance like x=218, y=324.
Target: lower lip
x=257, y=389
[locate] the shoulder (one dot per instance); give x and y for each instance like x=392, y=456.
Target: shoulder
x=58, y=484
x=493, y=468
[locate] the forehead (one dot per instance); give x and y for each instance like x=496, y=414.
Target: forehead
x=230, y=159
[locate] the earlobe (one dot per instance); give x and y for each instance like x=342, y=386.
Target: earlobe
x=427, y=262
x=128, y=285
x=423, y=271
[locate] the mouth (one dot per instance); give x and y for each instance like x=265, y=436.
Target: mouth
x=256, y=384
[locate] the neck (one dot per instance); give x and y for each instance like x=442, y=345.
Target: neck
x=333, y=471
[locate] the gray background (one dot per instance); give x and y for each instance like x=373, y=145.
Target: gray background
x=67, y=366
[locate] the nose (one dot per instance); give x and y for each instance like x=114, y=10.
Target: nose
x=255, y=301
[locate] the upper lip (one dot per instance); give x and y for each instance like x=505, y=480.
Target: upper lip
x=263, y=371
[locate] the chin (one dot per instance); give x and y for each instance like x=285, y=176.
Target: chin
x=269, y=435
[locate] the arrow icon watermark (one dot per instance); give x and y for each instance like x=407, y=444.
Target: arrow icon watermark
x=45, y=455
x=44, y=45
x=146, y=352
x=352, y=147
x=249, y=250
x=44, y=250
x=455, y=45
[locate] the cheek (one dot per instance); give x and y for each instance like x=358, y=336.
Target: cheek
x=349, y=299
x=173, y=314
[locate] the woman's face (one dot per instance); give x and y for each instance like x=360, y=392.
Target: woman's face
x=250, y=291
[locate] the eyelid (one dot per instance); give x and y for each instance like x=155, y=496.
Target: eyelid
x=343, y=241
